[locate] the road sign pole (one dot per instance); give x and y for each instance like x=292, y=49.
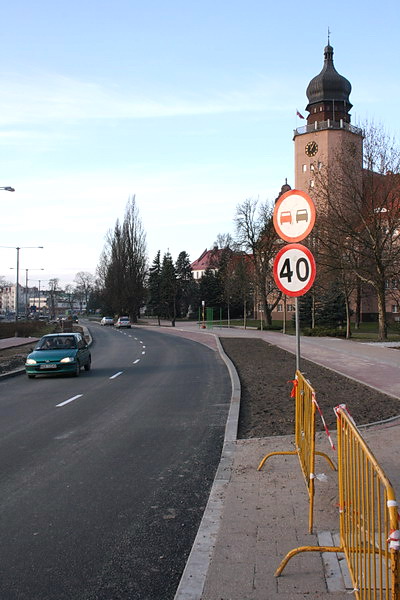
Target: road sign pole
x=297, y=317
x=294, y=266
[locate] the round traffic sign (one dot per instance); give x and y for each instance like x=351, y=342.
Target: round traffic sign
x=294, y=216
x=294, y=270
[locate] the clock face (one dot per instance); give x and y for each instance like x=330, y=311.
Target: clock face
x=311, y=148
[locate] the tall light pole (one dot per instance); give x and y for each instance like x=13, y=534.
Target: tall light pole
x=26, y=288
x=39, y=290
x=18, y=248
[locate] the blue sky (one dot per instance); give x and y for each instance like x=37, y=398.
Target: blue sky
x=190, y=106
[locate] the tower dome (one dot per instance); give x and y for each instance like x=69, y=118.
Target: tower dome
x=329, y=87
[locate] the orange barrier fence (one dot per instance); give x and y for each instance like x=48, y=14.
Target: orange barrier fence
x=369, y=519
x=305, y=408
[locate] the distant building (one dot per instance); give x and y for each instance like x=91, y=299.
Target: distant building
x=209, y=259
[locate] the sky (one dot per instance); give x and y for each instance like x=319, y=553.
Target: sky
x=188, y=106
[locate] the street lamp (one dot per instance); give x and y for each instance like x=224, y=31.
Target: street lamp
x=39, y=281
x=18, y=248
x=26, y=287
x=8, y=188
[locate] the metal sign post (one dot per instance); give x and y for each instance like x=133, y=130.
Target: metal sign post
x=294, y=265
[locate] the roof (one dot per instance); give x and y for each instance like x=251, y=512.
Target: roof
x=209, y=259
x=328, y=85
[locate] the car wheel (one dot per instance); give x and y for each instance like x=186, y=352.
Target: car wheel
x=88, y=365
x=31, y=376
x=77, y=369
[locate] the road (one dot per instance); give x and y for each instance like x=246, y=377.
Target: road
x=104, y=478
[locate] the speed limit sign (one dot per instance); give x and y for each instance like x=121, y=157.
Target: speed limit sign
x=294, y=269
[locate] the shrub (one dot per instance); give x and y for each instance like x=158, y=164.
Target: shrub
x=26, y=329
x=323, y=332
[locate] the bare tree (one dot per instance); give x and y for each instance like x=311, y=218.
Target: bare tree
x=361, y=215
x=123, y=265
x=256, y=235
x=84, y=286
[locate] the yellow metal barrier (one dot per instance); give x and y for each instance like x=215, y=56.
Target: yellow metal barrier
x=305, y=407
x=369, y=519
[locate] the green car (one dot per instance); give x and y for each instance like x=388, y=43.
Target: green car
x=59, y=353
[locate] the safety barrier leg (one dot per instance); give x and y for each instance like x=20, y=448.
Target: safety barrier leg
x=295, y=551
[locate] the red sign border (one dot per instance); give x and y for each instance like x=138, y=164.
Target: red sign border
x=310, y=257
x=312, y=220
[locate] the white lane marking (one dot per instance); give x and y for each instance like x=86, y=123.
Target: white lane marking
x=136, y=361
x=116, y=375
x=143, y=352
x=144, y=346
x=70, y=400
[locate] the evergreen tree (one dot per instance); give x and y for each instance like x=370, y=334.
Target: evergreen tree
x=186, y=286
x=305, y=304
x=168, y=288
x=154, y=303
x=210, y=289
x=332, y=310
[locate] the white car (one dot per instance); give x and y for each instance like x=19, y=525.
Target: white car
x=107, y=321
x=123, y=322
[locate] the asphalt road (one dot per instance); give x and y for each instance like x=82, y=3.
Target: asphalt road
x=104, y=478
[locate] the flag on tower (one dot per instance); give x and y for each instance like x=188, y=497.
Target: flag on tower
x=299, y=115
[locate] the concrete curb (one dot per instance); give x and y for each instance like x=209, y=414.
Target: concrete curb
x=193, y=579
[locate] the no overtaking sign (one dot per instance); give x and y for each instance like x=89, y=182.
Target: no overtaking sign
x=294, y=265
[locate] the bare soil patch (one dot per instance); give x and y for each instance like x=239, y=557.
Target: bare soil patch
x=266, y=372
x=12, y=359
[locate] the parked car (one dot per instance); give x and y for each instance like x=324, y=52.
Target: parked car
x=59, y=353
x=123, y=322
x=107, y=321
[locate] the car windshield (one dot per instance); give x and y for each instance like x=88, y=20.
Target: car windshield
x=60, y=342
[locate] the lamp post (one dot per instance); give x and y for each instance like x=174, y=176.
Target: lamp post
x=26, y=288
x=18, y=248
x=40, y=281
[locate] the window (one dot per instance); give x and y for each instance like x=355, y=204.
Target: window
x=304, y=168
x=395, y=308
x=312, y=183
x=279, y=308
x=291, y=308
x=312, y=168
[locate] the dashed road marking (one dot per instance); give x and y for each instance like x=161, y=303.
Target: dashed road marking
x=69, y=400
x=116, y=375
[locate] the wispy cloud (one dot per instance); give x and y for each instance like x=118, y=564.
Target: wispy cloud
x=50, y=97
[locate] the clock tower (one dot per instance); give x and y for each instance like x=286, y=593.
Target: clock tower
x=328, y=131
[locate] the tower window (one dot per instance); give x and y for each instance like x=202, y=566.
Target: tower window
x=312, y=183
x=304, y=169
